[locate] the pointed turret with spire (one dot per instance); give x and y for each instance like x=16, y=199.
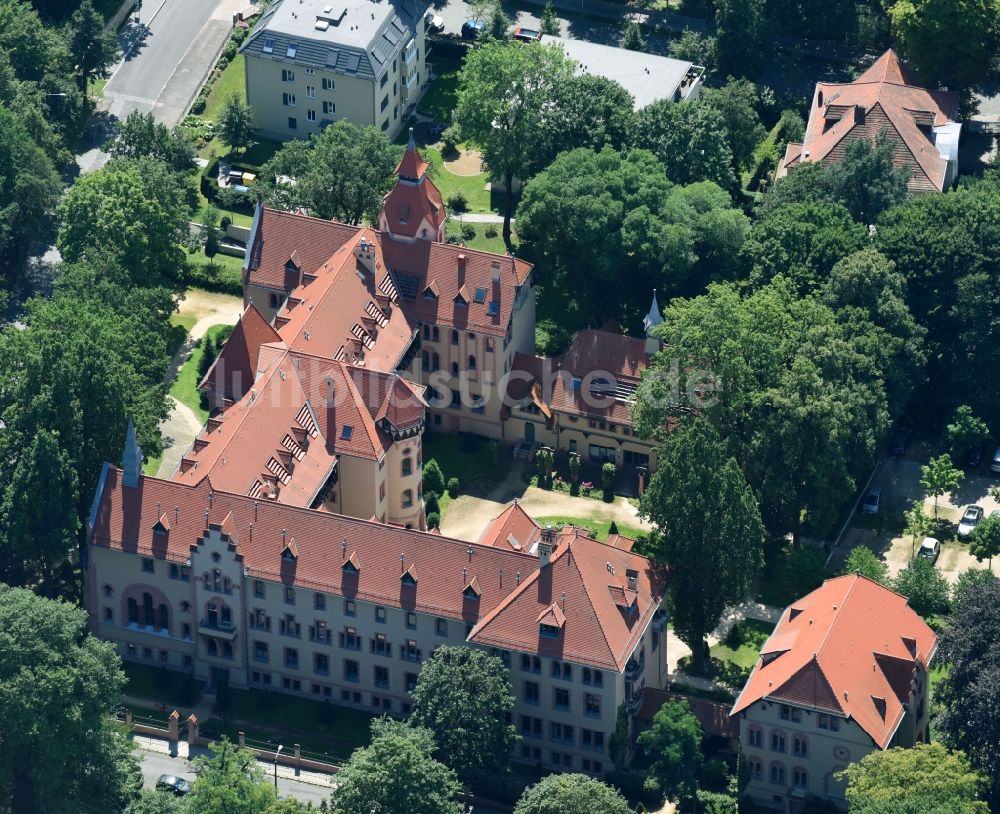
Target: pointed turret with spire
x=131, y=457
x=649, y=322
x=414, y=209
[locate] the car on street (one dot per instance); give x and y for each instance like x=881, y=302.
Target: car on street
x=433, y=22
x=169, y=782
x=473, y=29
x=929, y=549
x=900, y=441
x=526, y=34
x=970, y=519
x=995, y=465
x=974, y=457
x=873, y=500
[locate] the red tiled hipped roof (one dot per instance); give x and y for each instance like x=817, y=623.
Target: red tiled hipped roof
x=885, y=97
x=500, y=590
x=850, y=647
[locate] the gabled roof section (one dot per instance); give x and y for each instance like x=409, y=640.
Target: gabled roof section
x=851, y=648
x=885, y=98
x=235, y=368
x=513, y=528
x=414, y=203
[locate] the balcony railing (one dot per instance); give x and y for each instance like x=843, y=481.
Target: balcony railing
x=634, y=669
x=218, y=629
x=410, y=54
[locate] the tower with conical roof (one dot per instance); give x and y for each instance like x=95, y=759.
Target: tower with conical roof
x=414, y=209
x=649, y=322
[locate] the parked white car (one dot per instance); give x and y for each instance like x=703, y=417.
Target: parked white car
x=873, y=500
x=929, y=549
x=970, y=519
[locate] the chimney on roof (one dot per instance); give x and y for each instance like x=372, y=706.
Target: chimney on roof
x=131, y=458
x=461, y=267
x=365, y=253
x=496, y=271
x=545, y=545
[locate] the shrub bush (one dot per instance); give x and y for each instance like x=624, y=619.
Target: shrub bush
x=468, y=231
x=491, y=231
x=433, y=520
x=608, y=473
x=433, y=478
x=431, y=503
x=449, y=141
x=458, y=203
x=453, y=487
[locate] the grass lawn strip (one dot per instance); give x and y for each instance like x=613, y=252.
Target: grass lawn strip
x=184, y=388
x=748, y=637
x=599, y=528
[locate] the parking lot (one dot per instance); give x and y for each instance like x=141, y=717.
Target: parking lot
x=899, y=479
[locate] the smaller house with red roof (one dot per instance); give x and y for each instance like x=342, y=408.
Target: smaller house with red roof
x=920, y=123
x=844, y=673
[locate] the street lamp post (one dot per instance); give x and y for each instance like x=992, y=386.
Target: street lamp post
x=280, y=747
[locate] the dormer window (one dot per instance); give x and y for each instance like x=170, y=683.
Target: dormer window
x=268, y=45
x=290, y=52
x=548, y=631
x=409, y=577
x=471, y=591
x=351, y=564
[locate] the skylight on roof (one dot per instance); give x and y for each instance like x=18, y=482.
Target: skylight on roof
x=353, y=60
x=480, y=295
x=331, y=57
x=290, y=52
x=268, y=45
x=347, y=432
x=493, y=308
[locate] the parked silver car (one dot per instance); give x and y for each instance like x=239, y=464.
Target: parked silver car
x=873, y=501
x=971, y=518
x=929, y=549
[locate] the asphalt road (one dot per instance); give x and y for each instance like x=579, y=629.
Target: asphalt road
x=154, y=764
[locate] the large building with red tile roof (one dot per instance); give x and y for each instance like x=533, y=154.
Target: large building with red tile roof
x=844, y=673
x=886, y=98
x=269, y=594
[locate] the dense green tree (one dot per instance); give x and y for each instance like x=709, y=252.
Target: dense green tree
x=433, y=478
x=463, y=696
x=345, y=172
x=740, y=36
x=140, y=135
x=623, y=215
x=550, y=23
x=969, y=583
x=618, y=743
x=918, y=524
x=632, y=38
x=984, y=543
x=396, y=772
x=966, y=431
x=969, y=693
x=938, y=476
x=498, y=26
x=868, y=295
x=708, y=519
x=135, y=211
x=235, y=124
x=571, y=794
x=38, y=514
x=595, y=112
x=690, y=139
x=927, y=779
x=738, y=101
x=952, y=42
x=866, y=181
x=800, y=407
x=694, y=47
x=506, y=106
x=924, y=586
x=673, y=744
x=155, y=801
x=229, y=780
x=802, y=242
x=51, y=671
x=862, y=560
x=94, y=49
x=29, y=188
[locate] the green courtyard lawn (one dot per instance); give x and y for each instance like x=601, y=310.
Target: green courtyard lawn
x=157, y=684
x=185, y=386
x=224, y=272
x=471, y=459
x=599, y=528
x=486, y=244
x=742, y=646
x=232, y=80
x=317, y=726
x=441, y=97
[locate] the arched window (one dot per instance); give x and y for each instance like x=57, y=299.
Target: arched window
x=148, y=620
x=435, y=362
x=227, y=650
x=164, y=615
x=407, y=467
x=454, y=337
x=211, y=647
x=133, y=611
x=454, y=368
x=185, y=631
x=819, y=99
x=425, y=361
x=472, y=363
x=800, y=746
x=407, y=498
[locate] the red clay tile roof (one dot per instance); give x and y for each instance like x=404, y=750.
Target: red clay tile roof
x=883, y=98
x=234, y=369
x=507, y=592
x=414, y=198
x=282, y=234
x=596, y=631
x=513, y=528
x=714, y=718
x=849, y=647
